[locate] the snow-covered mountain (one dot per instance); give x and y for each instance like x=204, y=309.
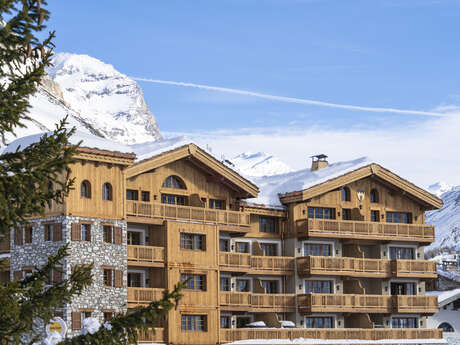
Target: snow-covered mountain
x=97, y=98
x=259, y=164
x=439, y=188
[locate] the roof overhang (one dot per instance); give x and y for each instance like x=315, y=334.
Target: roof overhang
x=196, y=155
x=428, y=200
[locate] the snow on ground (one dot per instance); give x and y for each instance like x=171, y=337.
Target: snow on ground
x=336, y=342
x=443, y=295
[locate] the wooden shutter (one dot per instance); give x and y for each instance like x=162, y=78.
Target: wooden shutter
x=118, y=278
x=47, y=232
x=57, y=276
x=76, y=232
x=28, y=234
x=57, y=232
x=117, y=235
x=76, y=320
x=18, y=236
x=17, y=275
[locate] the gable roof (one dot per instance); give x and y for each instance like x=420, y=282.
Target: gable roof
x=430, y=201
x=196, y=154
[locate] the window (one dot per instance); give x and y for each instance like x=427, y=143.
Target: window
x=225, y=321
x=192, y=241
x=224, y=245
x=318, y=286
x=217, y=204
x=399, y=217
x=242, y=285
x=194, y=323
x=86, y=314
x=172, y=199
x=446, y=327
x=108, y=315
x=85, y=189
x=108, y=233
x=267, y=224
x=145, y=196
x=375, y=216
x=270, y=286
x=401, y=253
x=86, y=232
x=402, y=288
x=173, y=182
x=28, y=234
x=269, y=249
x=53, y=232
x=135, y=279
x=242, y=247
x=317, y=249
x=113, y=277
x=48, y=232
x=224, y=284
x=107, y=191
x=318, y=322
x=108, y=277
x=132, y=194
x=374, y=196
x=194, y=281
x=134, y=238
x=346, y=214
x=345, y=191
x=55, y=276
x=321, y=212
x=404, y=322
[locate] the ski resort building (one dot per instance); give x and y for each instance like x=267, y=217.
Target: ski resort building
x=328, y=252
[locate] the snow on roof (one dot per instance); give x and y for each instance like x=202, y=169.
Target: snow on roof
x=337, y=342
x=88, y=140
x=271, y=186
x=445, y=297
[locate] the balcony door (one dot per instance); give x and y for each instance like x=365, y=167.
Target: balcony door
x=403, y=288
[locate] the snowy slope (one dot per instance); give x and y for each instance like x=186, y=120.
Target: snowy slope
x=259, y=164
x=439, y=188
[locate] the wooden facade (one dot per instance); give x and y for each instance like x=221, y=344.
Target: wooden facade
x=333, y=277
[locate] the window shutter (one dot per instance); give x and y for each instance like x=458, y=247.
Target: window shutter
x=118, y=278
x=76, y=232
x=89, y=226
x=47, y=233
x=18, y=236
x=57, y=232
x=118, y=235
x=57, y=276
x=76, y=320
x=28, y=234
x=17, y=275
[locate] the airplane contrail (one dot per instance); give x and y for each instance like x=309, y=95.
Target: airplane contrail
x=291, y=99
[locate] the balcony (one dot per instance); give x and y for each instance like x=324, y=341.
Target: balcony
x=364, y=230
x=351, y=303
x=139, y=296
x=166, y=211
x=152, y=335
x=372, y=268
x=257, y=302
x=236, y=334
x=146, y=256
x=252, y=264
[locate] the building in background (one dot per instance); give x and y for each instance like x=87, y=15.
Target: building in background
x=338, y=255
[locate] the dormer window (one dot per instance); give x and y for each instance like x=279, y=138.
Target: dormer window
x=345, y=194
x=173, y=182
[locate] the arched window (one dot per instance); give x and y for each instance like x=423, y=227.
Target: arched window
x=345, y=194
x=174, y=182
x=446, y=327
x=374, y=195
x=106, y=191
x=85, y=189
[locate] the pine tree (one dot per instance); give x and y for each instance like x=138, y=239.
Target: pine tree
x=24, y=179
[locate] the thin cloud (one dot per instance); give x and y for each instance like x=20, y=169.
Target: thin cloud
x=292, y=99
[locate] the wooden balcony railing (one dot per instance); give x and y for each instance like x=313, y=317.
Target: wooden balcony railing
x=145, y=255
x=248, y=300
x=166, y=211
x=236, y=334
x=144, y=295
x=364, y=230
x=357, y=267
x=152, y=335
x=261, y=264
x=351, y=303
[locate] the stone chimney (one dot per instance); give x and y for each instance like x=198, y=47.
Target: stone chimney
x=318, y=162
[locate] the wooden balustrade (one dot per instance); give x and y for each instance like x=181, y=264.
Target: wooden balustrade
x=358, y=267
x=152, y=335
x=257, y=301
x=144, y=295
x=256, y=264
x=364, y=230
x=165, y=211
x=417, y=304
x=237, y=334
x=146, y=255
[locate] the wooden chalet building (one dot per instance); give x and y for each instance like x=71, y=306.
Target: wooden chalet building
x=340, y=259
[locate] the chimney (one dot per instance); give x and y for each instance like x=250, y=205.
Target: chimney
x=318, y=162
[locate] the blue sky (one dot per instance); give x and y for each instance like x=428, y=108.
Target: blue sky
x=385, y=53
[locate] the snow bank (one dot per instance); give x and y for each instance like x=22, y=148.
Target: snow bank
x=257, y=324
